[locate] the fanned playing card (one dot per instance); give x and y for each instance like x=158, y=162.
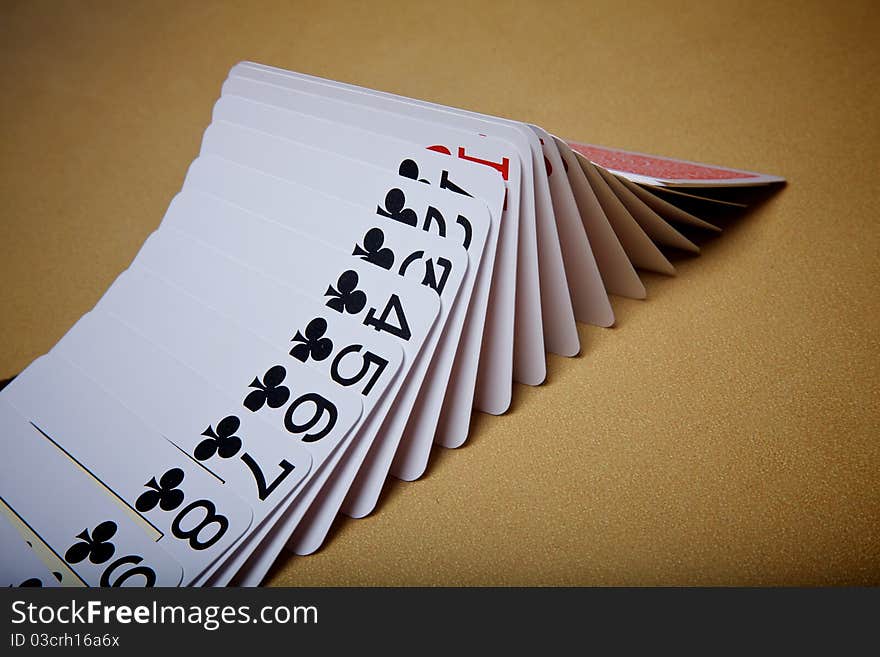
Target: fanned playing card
x=345, y=277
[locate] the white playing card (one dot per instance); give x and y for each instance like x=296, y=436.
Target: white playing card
x=652, y=223
x=618, y=273
x=371, y=237
x=95, y=537
x=324, y=171
x=558, y=321
x=288, y=255
x=356, y=132
x=588, y=296
x=666, y=209
x=254, y=457
x=192, y=515
x=410, y=161
x=293, y=205
x=640, y=250
x=529, y=365
x=659, y=171
x=209, y=275
x=313, y=411
x=20, y=566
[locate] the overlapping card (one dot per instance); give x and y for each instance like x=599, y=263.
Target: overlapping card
x=344, y=278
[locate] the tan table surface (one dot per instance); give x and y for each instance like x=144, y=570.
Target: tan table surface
x=725, y=432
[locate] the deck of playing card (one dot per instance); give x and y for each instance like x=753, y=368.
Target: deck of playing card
x=344, y=277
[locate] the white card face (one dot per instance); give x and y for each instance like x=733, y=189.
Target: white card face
x=618, y=273
x=343, y=282
x=557, y=313
x=338, y=346
x=350, y=130
x=287, y=255
x=588, y=296
x=321, y=414
x=493, y=395
x=196, y=519
x=559, y=327
x=209, y=275
x=329, y=130
x=336, y=222
x=214, y=185
x=97, y=537
x=263, y=378
x=418, y=304
x=254, y=457
x=20, y=566
x=277, y=201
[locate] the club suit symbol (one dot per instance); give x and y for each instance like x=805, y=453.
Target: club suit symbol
x=164, y=493
x=395, y=208
x=96, y=547
x=223, y=442
x=373, y=252
x=269, y=391
x=313, y=344
x=347, y=298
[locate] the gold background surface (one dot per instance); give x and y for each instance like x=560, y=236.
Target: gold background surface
x=725, y=432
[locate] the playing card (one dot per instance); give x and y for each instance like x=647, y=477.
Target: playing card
x=588, y=296
x=20, y=566
x=655, y=227
x=410, y=161
x=184, y=506
x=378, y=243
x=321, y=171
x=351, y=351
x=618, y=273
x=529, y=365
x=95, y=537
x=640, y=250
x=232, y=227
x=359, y=133
x=665, y=209
x=251, y=455
x=388, y=195
x=666, y=171
x=317, y=414
x=558, y=320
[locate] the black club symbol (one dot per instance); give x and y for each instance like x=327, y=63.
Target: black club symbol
x=347, y=299
x=165, y=492
x=223, y=442
x=95, y=547
x=269, y=391
x=313, y=344
x=395, y=208
x=372, y=250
